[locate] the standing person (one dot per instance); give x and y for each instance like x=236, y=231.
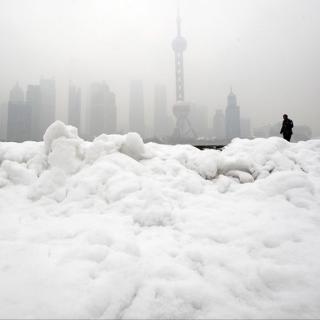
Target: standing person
x=286, y=128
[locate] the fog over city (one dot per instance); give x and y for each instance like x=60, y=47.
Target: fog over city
x=266, y=50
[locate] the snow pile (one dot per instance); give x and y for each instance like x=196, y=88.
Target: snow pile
x=115, y=228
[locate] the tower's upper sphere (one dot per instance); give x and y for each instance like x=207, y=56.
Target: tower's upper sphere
x=179, y=44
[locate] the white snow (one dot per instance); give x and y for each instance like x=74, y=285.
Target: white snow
x=115, y=228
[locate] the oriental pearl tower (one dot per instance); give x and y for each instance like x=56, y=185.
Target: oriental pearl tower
x=183, y=130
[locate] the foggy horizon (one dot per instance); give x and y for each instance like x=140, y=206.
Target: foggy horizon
x=266, y=51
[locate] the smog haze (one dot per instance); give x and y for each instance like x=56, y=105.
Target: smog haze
x=266, y=50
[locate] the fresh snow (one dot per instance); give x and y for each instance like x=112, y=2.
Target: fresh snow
x=116, y=228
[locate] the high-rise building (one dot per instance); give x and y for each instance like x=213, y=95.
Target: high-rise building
x=219, y=125
x=48, y=103
x=103, y=111
x=232, y=117
x=19, y=116
x=3, y=121
x=160, y=112
x=33, y=101
x=74, y=110
x=136, y=111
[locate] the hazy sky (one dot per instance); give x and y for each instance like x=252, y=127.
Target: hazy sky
x=267, y=50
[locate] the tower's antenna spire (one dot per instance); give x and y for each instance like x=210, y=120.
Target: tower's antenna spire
x=178, y=19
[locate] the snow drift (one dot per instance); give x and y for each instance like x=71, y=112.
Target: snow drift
x=116, y=228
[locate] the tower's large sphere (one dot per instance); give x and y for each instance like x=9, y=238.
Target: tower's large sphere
x=179, y=44
x=181, y=109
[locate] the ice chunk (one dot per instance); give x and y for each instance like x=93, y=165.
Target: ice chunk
x=204, y=162
x=18, y=173
x=56, y=130
x=133, y=146
x=51, y=183
x=244, y=177
x=65, y=155
x=98, y=149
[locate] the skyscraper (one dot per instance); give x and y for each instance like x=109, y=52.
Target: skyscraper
x=3, y=121
x=19, y=116
x=33, y=101
x=232, y=117
x=160, y=112
x=48, y=103
x=74, y=110
x=219, y=125
x=136, y=111
x=102, y=112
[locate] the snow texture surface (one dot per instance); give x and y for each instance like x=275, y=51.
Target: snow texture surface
x=116, y=228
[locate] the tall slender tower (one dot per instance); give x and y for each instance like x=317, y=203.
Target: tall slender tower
x=179, y=45
x=183, y=130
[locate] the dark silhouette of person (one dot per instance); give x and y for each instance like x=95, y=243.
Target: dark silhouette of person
x=286, y=128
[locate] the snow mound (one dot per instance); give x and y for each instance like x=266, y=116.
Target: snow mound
x=133, y=146
x=57, y=130
x=115, y=228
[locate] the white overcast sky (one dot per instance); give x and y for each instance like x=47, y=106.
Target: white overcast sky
x=267, y=50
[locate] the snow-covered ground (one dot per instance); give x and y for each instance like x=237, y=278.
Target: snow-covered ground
x=117, y=229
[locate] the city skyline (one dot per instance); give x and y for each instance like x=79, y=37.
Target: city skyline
x=265, y=50
x=23, y=117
